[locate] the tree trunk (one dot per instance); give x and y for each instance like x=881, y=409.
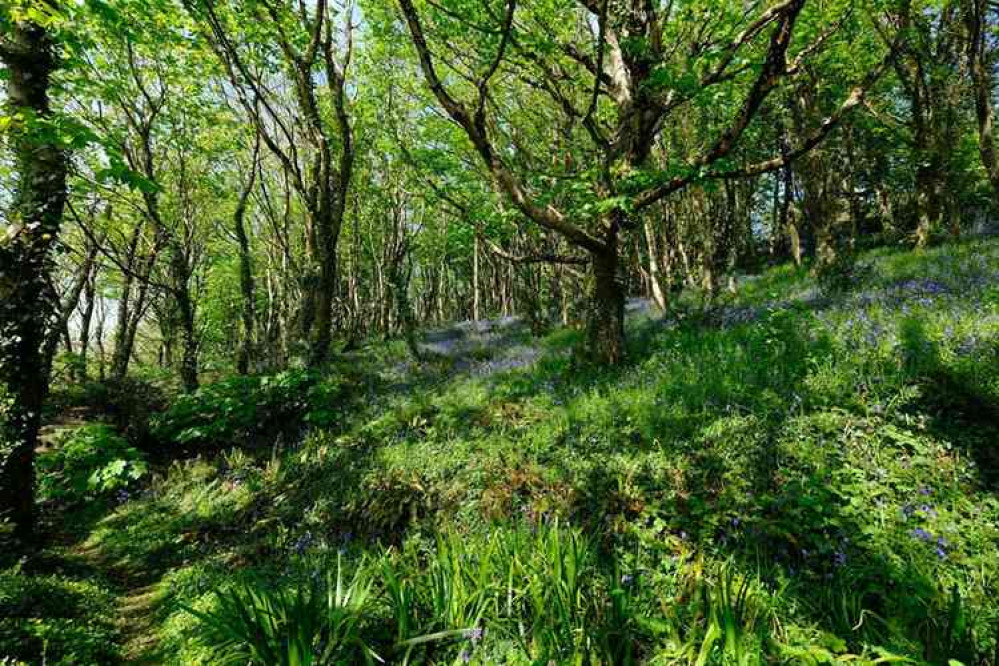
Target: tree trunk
x=927, y=212
x=400, y=276
x=794, y=236
x=246, y=287
x=69, y=304
x=475, y=278
x=179, y=263
x=87, y=317
x=441, y=287
x=26, y=300
x=981, y=79
x=605, y=330
x=820, y=205
x=655, y=279
x=99, y=338
x=927, y=195
x=323, y=321
x=122, y=339
x=189, y=342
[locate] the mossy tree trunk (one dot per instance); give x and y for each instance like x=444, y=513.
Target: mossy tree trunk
x=27, y=302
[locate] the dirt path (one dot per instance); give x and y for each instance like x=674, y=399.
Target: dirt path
x=137, y=597
x=137, y=621
x=137, y=604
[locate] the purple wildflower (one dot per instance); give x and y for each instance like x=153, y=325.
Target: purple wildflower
x=303, y=542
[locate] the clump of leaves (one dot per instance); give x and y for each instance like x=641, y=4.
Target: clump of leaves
x=240, y=410
x=128, y=403
x=90, y=461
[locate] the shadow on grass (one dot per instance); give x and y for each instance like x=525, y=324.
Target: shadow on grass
x=961, y=409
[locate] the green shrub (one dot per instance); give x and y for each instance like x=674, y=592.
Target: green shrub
x=129, y=404
x=89, y=461
x=244, y=410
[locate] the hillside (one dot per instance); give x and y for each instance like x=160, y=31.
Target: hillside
x=785, y=477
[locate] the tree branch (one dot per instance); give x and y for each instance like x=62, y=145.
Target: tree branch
x=546, y=216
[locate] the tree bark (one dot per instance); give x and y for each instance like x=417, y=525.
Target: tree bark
x=475, y=278
x=122, y=338
x=68, y=306
x=86, y=319
x=247, y=289
x=323, y=183
x=400, y=276
x=26, y=301
x=821, y=201
x=655, y=278
x=640, y=115
x=189, y=342
x=605, y=328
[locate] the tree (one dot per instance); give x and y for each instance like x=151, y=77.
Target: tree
x=981, y=64
x=305, y=46
x=246, y=283
x=927, y=66
x=30, y=237
x=615, y=86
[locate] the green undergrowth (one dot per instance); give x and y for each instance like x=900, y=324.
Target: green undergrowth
x=790, y=477
x=57, y=609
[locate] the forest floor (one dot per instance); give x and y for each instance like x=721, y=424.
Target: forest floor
x=785, y=476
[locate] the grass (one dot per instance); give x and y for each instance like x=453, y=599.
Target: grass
x=788, y=477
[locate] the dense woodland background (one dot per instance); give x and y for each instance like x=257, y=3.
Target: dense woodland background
x=259, y=224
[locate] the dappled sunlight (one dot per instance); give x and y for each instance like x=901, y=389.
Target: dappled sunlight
x=522, y=332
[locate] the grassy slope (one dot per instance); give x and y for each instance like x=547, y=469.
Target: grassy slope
x=839, y=454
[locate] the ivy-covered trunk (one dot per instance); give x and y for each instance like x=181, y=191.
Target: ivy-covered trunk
x=322, y=301
x=400, y=277
x=27, y=303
